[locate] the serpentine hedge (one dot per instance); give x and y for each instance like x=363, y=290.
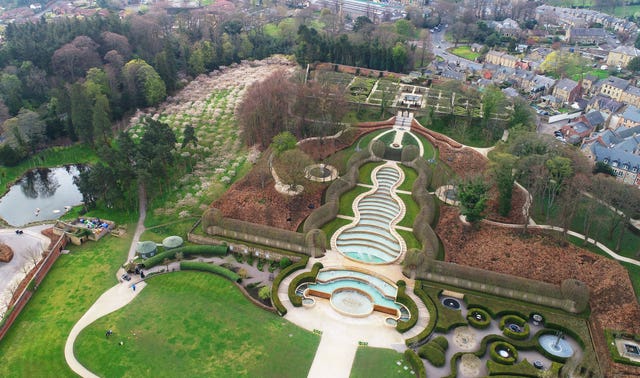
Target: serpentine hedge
x=306, y=277
x=284, y=273
x=211, y=268
x=201, y=250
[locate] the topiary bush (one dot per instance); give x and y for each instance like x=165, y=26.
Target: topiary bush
x=284, y=273
x=485, y=319
x=503, y=345
x=433, y=353
x=202, y=250
x=403, y=298
x=517, y=320
x=300, y=279
x=442, y=341
x=433, y=315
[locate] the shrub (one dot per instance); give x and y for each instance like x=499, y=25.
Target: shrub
x=442, y=341
x=203, y=250
x=265, y=292
x=300, y=279
x=211, y=268
x=284, y=273
x=405, y=300
x=433, y=315
x=517, y=320
x=483, y=323
x=416, y=363
x=284, y=262
x=433, y=353
x=493, y=352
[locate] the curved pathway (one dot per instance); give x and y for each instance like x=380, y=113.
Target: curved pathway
x=111, y=300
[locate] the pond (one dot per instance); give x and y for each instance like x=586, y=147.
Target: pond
x=41, y=194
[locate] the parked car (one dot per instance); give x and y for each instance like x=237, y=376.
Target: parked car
x=126, y=277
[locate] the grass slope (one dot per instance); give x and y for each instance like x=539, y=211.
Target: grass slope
x=220, y=335
x=73, y=284
x=379, y=362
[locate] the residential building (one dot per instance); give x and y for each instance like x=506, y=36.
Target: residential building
x=501, y=59
x=586, y=36
x=567, y=90
x=619, y=149
x=614, y=87
x=589, y=84
x=622, y=55
x=629, y=118
x=631, y=95
x=605, y=105
x=507, y=27
x=581, y=127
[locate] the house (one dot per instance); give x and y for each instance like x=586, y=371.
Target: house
x=629, y=118
x=613, y=87
x=507, y=27
x=501, y=59
x=581, y=127
x=589, y=84
x=620, y=149
x=586, y=36
x=605, y=105
x=476, y=47
x=622, y=55
x=631, y=95
x=567, y=90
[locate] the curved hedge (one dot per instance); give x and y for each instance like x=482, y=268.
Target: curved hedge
x=203, y=250
x=442, y=341
x=517, y=320
x=478, y=323
x=404, y=299
x=300, y=279
x=416, y=363
x=433, y=352
x=284, y=273
x=503, y=360
x=433, y=316
x=211, y=268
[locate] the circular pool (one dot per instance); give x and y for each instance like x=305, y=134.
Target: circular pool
x=556, y=345
x=352, y=302
x=451, y=303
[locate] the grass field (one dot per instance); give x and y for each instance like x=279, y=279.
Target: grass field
x=221, y=335
x=379, y=362
x=464, y=52
x=600, y=74
x=73, y=284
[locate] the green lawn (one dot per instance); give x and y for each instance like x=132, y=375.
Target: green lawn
x=195, y=324
x=379, y=362
x=34, y=345
x=412, y=210
x=346, y=200
x=410, y=176
x=464, y=52
x=365, y=172
x=600, y=74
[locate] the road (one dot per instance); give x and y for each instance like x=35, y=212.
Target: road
x=439, y=46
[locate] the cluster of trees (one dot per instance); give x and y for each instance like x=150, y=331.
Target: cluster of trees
x=73, y=78
x=562, y=185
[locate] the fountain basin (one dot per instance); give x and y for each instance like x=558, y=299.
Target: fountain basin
x=556, y=346
x=352, y=302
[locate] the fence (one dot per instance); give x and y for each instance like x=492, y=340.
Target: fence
x=40, y=271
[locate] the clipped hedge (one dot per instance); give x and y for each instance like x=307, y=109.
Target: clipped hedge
x=202, y=250
x=517, y=320
x=503, y=360
x=211, y=268
x=284, y=273
x=300, y=279
x=405, y=300
x=416, y=363
x=433, y=353
x=433, y=316
x=483, y=323
x=610, y=337
x=442, y=341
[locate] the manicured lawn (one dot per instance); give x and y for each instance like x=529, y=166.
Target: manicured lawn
x=52, y=157
x=410, y=239
x=600, y=74
x=346, y=200
x=365, y=172
x=464, y=52
x=379, y=362
x=412, y=210
x=179, y=227
x=34, y=345
x=195, y=324
x=410, y=176
x=331, y=227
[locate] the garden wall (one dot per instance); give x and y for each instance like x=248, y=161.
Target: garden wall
x=361, y=71
x=496, y=284
x=37, y=274
x=213, y=223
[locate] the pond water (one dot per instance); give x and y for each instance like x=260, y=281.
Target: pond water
x=46, y=189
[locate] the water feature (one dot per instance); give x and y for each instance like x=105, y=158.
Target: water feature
x=41, y=194
x=371, y=239
x=352, y=302
x=451, y=303
x=556, y=345
x=515, y=328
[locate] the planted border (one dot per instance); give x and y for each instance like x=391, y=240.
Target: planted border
x=495, y=356
x=517, y=320
x=610, y=337
x=203, y=250
x=433, y=316
x=478, y=323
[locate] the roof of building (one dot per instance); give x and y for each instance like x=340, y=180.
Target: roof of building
x=594, y=118
x=627, y=50
x=632, y=90
x=588, y=32
x=605, y=103
x=616, y=82
x=566, y=84
x=631, y=113
x=617, y=148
